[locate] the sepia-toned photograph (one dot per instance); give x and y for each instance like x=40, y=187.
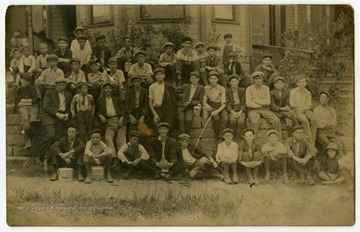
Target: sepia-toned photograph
x=180, y=115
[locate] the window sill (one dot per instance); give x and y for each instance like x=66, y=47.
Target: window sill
x=225, y=21
x=101, y=25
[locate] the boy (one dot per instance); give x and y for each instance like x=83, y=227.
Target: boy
x=116, y=78
x=326, y=118
x=126, y=55
x=301, y=103
x=233, y=66
x=97, y=153
x=82, y=53
x=250, y=155
x=301, y=154
x=214, y=102
x=330, y=171
x=68, y=152
x=268, y=69
x=48, y=76
x=280, y=104
x=200, y=49
x=64, y=54
x=167, y=61
x=192, y=96
x=75, y=44
x=186, y=57
x=28, y=62
x=142, y=69
x=162, y=100
x=229, y=47
x=274, y=150
x=76, y=76
x=15, y=63
x=212, y=63
x=83, y=110
x=258, y=100
x=236, y=106
x=101, y=52
x=41, y=61
x=95, y=79
x=26, y=103
x=227, y=153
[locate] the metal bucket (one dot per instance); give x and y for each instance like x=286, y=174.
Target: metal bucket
x=97, y=173
x=65, y=174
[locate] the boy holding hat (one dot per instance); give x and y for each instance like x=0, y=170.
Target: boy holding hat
x=236, y=107
x=97, y=153
x=214, y=102
x=142, y=69
x=26, y=104
x=233, y=66
x=250, y=155
x=330, y=170
x=76, y=76
x=81, y=52
x=257, y=101
x=68, y=152
x=167, y=61
x=64, y=54
x=83, y=110
x=229, y=47
x=280, y=104
x=212, y=63
x=268, y=69
x=302, y=154
x=101, y=52
x=186, y=57
x=41, y=60
x=192, y=96
x=75, y=44
x=274, y=150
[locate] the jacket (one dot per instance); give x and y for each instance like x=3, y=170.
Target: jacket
x=51, y=104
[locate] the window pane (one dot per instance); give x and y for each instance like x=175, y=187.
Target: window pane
x=162, y=12
x=101, y=14
x=224, y=12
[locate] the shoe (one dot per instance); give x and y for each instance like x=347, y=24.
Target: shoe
x=309, y=180
x=227, y=180
x=28, y=145
x=88, y=179
x=235, y=179
x=116, y=163
x=54, y=177
x=285, y=179
x=251, y=181
x=167, y=177
x=80, y=177
x=219, y=176
x=46, y=165
x=157, y=177
x=302, y=179
x=256, y=181
x=109, y=178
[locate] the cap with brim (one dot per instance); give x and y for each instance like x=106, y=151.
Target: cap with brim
x=266, y=55
x=82, y=84
x=272, y=132
x=60, y=80
x=278, y=78
x=211, y=47
x=25, y=76
x=139, y=53
x=257, y=74
x=106, y=84
x=199, y=44
x=163, y=124
x=63, y=39
x=100, y=37
x=186, y=39
x=332, y=146
x=168, y=44
x=112, y=60
x=81, y=37
x=213, y=73
x=126, y=37
x=135, y=77
x=74, y=60
x=159, y=70
x=196, y=73
x=324, y=92
x=52, y=57
x=135, y=134
x=95, y=131
x=227, y=35
x=72, y=125
x=26, y=47
x=246, y=130
x=234, y=76
x=78, y=28
x=298, y=127
x=228, y=130
x=92, y=61
x=184, y=136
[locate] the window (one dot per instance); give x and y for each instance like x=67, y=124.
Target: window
x=224, y=14
x=101, y=15
x=162, y=12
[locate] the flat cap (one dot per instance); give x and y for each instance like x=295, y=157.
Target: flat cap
x=266, y=55
x=159, y=70
x=234, y=76
x=228, y=130
x=257, y=74
x=272, y=131
x=168, y=44
x=135, y=133
x=298, y=127
x=25, y=76
x=246, y=130
x=163, y=124
x=184, y=136
x=101, y=36
x=186, y=39
x=126, y=37
x=140, y=53
x=135, y=77
x=212, y=47
x=82, y=84
x=278, y=78
x=52, y=57
x=72, y=125
x=95, y=131
x=196, y=73
x=199, y=44
x=81, y=37
x=63, y=38
x=60, y=80
x=112, y=60
x=332, y=146
x=72, y=60
x=227, y=35
x=213, y=73
x=234, y=54
x=106, y=84
x=78, y=28
x=324, y=92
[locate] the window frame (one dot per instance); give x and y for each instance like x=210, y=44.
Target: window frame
x=234, y=20
x=184, y=19
x=110, y=23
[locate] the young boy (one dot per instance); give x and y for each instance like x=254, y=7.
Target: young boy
x=258, y=100
x=126, y=55
x=280, y=104
x=274, y=150
x=250, y=155
x=41, y=60
x=83, y=110
x=186, y=57
x=330, y=171
x=200, y=49
x=76, y=76
x=301, y=103
x=268, y=69
x=192, y=96
x=97, y=153
x=116, y=78
x=229, y=47
x=26, y=103
x=15, y=63
x=301, y=154
x=162, y=100
x=28, y=62
x=227, y=153
x=233, y=66
x=236, y=107
x=82, y=53
x=68, y=152
x=214, y=102
x=75, y=44
x=64, y=54
x=212, y=63
x=142, y=69
x=95, y=79
x=167, y=61
x=101, y=52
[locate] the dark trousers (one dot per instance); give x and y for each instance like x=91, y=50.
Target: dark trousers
x=76, y=161
x=302, y=169
x=51, y=134
x=141, y=166
x=104, y=161
x=170, y=72
x=193, y=66
x=177, y=168
x=220, y=121
x=185, y=117
x=85, y=123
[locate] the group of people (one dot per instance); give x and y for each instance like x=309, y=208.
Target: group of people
x=147, y=109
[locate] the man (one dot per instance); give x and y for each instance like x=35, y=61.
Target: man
x=101, y=53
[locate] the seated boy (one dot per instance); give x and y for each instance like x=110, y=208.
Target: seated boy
x=41, y=60
x=97, y=153
x=274, y=150
x=301, y=154
x=142, y=69
x=167, y=61
x=200, y=49
x=233, y=66
x=192, y=96
x=101, y=52
x=15, y=62
x=268, y=69
x=64, y=54
x=250, y=155
x=28, y=62
x=75, y=44
x=68, y=152
x=330, y=171
x=212, y=63
x=214, y=102
x=82, y=53
x=95, y=79
x=76, y=77
x=115, y=77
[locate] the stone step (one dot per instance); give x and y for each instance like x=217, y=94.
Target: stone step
x=208, y=133
x=13, y=119
x=21, y=151
x=13, y=129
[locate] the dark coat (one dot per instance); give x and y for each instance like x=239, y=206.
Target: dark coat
x=230, y=99
x=197, y=98
x=305, y=148
x=197, y=153
x=107, y=55
x=143, y=109
x=26, y=93
x=62, y=146
x=216, y=62
x=277, y=102
x=171, y=147
x=245, y=81
x=101, y=106
x=51, y=104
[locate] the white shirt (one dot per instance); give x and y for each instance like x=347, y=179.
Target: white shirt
x=62, y=106
x=156, y=92
x=110, y=110
x=187, y=156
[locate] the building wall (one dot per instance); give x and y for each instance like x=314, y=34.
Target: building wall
x=15, y=20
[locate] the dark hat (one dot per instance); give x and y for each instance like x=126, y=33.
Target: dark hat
x=227, y=35
x=60, y=80
x=228, y=130
x=81, y=37
x=332, y=146
x=72, y=60
x=246, y=130
x=168, y=44
x=159, y=70
x=134, y=133
x=82, y=84
x=199, y=44
x=184, y=136
x=234, y=76
x=95, y=131
x=139, y=53
x=163, y=124
x=213, y=73
x=78, y=28
x=52, y=57
x=186, y=39
x=106, y=84
x=73, y=125
x=63, y=39
x=196, y=73
x=325, y=92
x=102, y=36
x=257, y=74
x=272, y=131
x=212, y=47
x=298, y=127
x=266, y=55
x=126, y=37
x=25, y=76
x=135, y=77
x=112, y=60
x=278, y=78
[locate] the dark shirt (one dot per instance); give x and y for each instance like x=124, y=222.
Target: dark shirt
x=65, y=67
x=25, y=93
